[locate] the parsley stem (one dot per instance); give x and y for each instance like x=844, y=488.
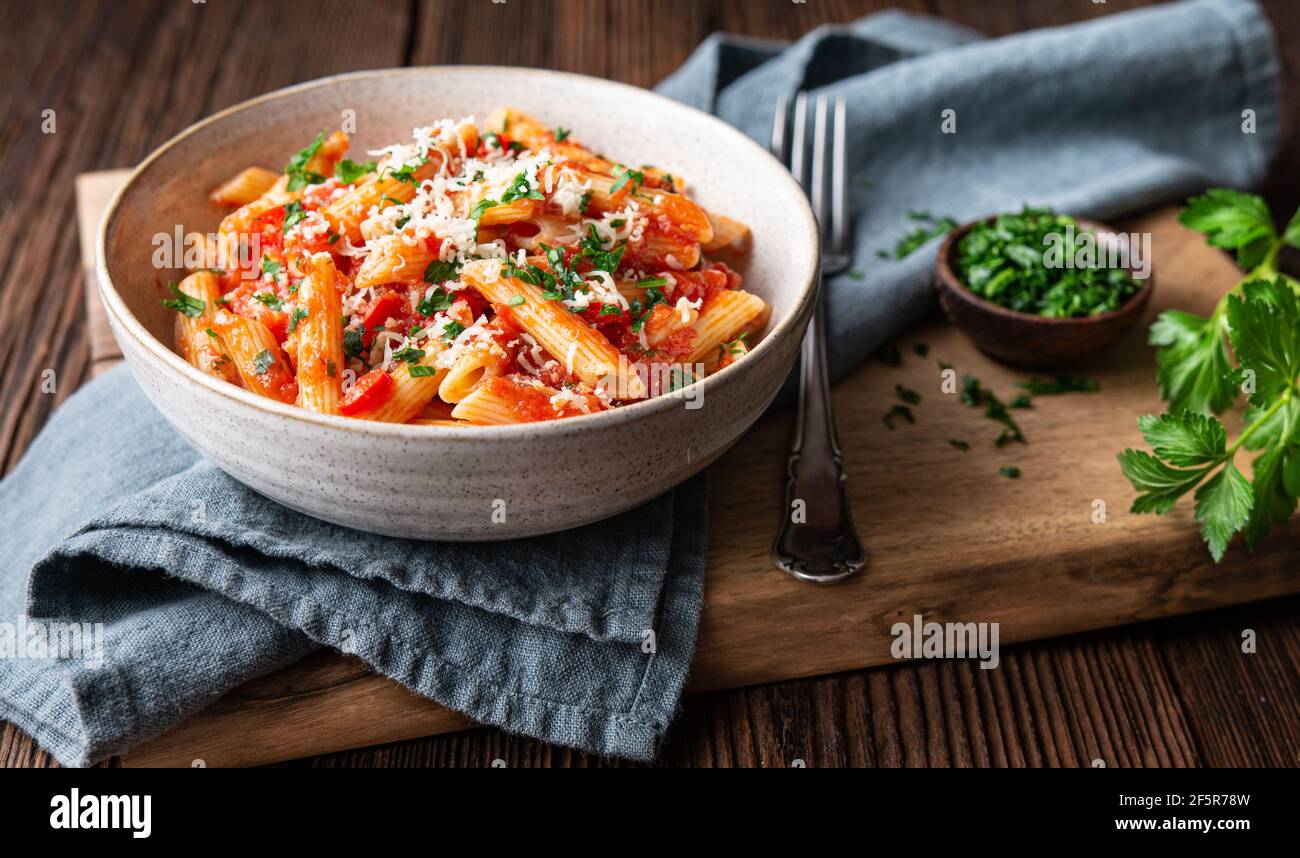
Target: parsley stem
x=1260, y=421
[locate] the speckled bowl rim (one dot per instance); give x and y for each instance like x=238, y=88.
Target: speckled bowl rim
x=128, y=323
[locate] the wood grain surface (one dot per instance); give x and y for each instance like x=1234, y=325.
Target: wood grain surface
x=1174, y=693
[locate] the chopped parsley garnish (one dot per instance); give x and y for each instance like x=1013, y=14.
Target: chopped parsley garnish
x=611, y=310
x=641, y=308
x=348, y=171
x=959, y=444
x=911, y=397
x=269, y=299
x=406, y=173
x=420, y=371
x=517, y=301
x=434, y=300
x=299, y=175
x=402, y=221
x=186, y=305
x=263, y=361
x=1010, y=473
x=584, y=202
x=918, y=236
x=561, y=134
x=408, y=354
x=625, y=178
x=440, y=272
x=270, y=266
x=480, y=207
x=211, y=333
x=974, y=395
x=898, y=411
x=293, y=212
x=593, y=249
x=387, y=199
x=353, y=343
x=295, y=317
x=452, y=330
x=520, y=190
x=646, y=282
x=1012, y=263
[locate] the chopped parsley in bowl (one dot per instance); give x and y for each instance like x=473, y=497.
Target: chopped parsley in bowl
x=1030, y=262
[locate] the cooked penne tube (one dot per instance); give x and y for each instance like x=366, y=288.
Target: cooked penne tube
x=257, y=357
x=393, y=261
x=586, y=354
x=723, y=318
x=660, y=250
x=729, y=235
x=513, y=399
x=517, y=125
x=199, y=343
x=320, y=337
x=243, y=188
x=476, y=363
x=612, y=193
x=664, y=321
x=413, y=386
x=726, y=354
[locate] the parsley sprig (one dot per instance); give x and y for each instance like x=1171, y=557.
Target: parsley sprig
x=1193, y=360
x=299, y=175
x=1190, y=449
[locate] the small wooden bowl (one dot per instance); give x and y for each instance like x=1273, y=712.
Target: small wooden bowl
x=1025, y=339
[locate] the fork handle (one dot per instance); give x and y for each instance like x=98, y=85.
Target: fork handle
x=816, y=541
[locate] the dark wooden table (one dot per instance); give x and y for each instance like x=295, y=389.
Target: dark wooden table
x=124, y=76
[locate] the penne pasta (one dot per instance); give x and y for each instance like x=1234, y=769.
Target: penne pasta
x=474, y=365
x=464, y=279
x=243, y=188
x=198, y=342
x=723, y=318
x=586, y=354
x=319, y=333
x=517, y=125
x=413, y=386
x=258, y=358
x=510, y=399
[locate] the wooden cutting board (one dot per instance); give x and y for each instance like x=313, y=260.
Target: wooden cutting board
x=949, y=538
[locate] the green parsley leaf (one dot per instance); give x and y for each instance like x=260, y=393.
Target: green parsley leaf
x=898, y=411
x=1011, y=473
x=420, y=371
x=270, y=266
x=911, y=397
x=1232, y=220
x=434, y=301
x=263, y=361
x=295, y=317
x=268, y=299
x=520, y=190
x=440, y=272
x=353, y=343
x=293, y=212
x=409, y=354
x=959, y=444
x=561, y=134
x=1223, y=506
x=299, y=175
x=517, y=301
x=348, y=171
x=452, y=330
x=186, y=305
x=625, y=178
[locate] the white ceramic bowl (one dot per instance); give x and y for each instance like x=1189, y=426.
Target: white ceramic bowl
x=446, y=482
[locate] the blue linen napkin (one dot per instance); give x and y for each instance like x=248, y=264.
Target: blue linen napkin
x=201, y=584
x=1094, y=119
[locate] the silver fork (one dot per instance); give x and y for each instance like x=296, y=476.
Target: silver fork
x=816, y=541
